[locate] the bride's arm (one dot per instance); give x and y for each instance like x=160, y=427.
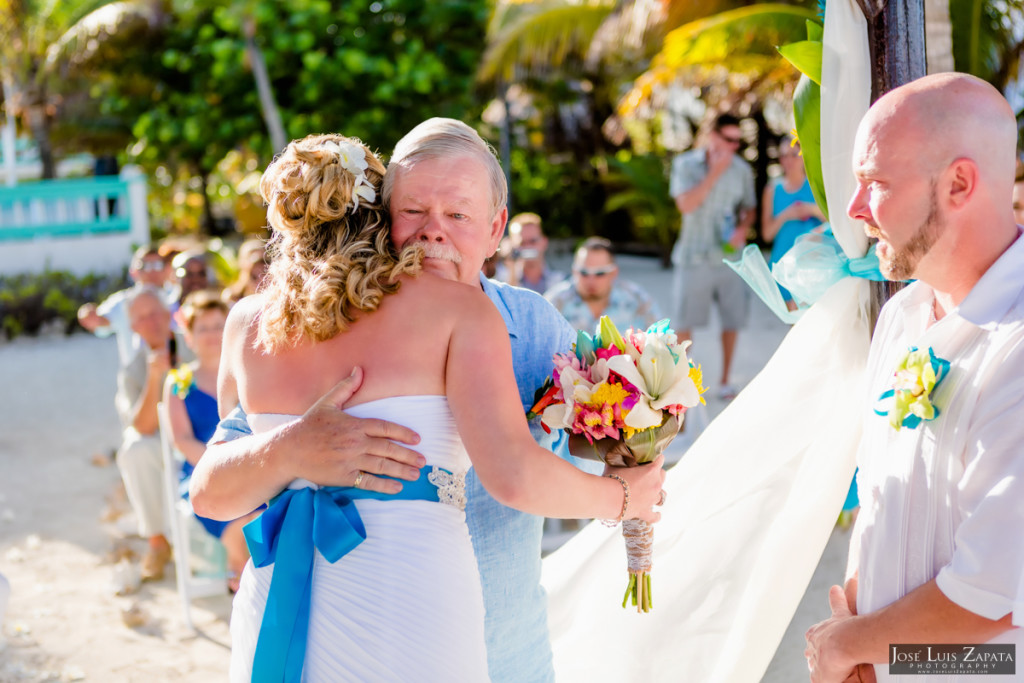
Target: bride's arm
x=325, y=445
x=482, y=393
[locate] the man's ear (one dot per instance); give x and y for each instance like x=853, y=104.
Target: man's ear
x=962, y=178
x=498, y=228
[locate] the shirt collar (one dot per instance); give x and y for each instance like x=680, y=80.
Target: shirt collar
x=494, y=293
x=988, y=302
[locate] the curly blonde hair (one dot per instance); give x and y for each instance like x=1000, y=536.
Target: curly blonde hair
x=329, y=260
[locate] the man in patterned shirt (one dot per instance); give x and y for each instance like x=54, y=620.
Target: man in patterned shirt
x=596, y=290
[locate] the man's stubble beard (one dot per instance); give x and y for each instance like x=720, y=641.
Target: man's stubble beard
x=904, y=261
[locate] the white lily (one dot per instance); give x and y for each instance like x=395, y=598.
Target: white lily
x=575, y=389
x=661, y=380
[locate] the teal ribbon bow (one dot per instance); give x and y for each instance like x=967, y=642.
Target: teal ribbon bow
x=285, y=535
x=917, y=376
x=807, y=270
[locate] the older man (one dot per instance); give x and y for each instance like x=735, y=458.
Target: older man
x=139, y=386
x=937, y=548
x=443, y=185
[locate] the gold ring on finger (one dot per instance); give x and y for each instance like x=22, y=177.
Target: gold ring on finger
x=359, y=479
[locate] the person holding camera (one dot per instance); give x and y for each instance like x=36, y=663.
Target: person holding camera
x=525, y=265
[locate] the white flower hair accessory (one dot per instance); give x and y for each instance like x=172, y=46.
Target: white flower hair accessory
x=353, y=160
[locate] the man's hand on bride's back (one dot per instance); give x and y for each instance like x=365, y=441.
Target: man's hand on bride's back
x=331, y=447
x=645, y=487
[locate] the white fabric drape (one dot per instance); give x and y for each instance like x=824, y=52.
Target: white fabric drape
x=752, y=503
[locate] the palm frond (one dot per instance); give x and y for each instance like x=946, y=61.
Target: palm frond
x=738, y=44
x=541, y=36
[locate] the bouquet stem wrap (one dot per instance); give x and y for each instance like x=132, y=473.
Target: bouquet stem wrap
x=639, y=449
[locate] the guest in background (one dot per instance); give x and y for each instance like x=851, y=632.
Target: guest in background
x=525, y=264
x=788, y=209
x=192, y=272
x=139, y=387
x=595, y=290
x=713, y=187
x=252, y=268
x=147, y=268
x=190, y=396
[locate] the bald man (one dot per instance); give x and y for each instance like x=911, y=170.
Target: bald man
x=937, y=555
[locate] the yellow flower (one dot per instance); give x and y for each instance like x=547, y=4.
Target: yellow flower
x=181, y=380
x=698, y=381
x=608, y=394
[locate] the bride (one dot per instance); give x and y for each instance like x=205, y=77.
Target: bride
x=391, y=591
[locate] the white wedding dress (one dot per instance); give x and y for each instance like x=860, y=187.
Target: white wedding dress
x=405, y=604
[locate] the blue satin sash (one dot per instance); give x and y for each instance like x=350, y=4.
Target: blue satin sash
x=285, y=535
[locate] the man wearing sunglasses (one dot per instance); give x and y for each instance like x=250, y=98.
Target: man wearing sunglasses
x=148, y=268
x=714, y=190
x=595, y=290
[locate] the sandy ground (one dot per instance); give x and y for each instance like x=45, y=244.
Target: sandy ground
x=63, y=522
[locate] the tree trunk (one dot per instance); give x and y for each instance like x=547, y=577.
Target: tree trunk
x=896, y=40
x=268, y=105
x=39, y=124
x=208, y=226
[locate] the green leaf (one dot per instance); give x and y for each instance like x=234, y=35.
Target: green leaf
x=807, y=112
x=805, y=56
x=815, y=31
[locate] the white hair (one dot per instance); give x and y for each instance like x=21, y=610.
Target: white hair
x=442, y=138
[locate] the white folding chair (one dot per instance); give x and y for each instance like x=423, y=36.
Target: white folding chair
x=200, y=563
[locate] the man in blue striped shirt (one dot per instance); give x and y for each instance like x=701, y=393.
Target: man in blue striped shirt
x=506, y=542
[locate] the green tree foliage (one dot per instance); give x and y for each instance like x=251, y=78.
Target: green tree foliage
x=43, y=44
x=987, y=40
x=366, y=69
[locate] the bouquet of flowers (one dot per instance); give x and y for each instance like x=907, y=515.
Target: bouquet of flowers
x=622, y=399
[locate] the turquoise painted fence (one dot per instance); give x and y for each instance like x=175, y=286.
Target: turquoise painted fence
x=84, y=225
x=64, y=208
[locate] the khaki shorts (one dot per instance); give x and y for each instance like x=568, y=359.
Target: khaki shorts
x=701, y=284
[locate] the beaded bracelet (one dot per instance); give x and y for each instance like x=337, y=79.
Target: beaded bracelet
x=625, y=501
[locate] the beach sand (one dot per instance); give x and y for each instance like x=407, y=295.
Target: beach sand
x=64, y=523
x=58, y=484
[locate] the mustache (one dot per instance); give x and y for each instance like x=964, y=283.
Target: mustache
x=437, y=250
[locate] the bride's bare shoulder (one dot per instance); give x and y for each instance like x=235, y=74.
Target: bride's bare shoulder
x=432, y=290
x=243, y=318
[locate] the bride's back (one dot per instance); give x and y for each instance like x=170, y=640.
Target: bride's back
x=402, y=348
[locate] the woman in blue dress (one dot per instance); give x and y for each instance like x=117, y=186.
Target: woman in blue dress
x=190, y=397
x=788, y=207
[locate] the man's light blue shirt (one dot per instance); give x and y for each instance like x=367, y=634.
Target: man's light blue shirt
x=507, y=542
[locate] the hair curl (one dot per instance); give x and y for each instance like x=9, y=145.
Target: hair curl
x=328, y=262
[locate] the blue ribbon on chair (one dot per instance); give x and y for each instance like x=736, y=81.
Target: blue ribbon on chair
x=807, y=270
x=298, y=522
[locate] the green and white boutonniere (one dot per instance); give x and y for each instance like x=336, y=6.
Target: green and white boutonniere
x=909, y=402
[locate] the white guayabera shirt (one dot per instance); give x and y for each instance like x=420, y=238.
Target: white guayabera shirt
x=946, y=499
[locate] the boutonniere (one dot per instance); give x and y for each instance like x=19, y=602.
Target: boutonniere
x=917, y=375
x=181, y=381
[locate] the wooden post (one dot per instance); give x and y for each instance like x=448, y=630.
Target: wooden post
x=897, y=45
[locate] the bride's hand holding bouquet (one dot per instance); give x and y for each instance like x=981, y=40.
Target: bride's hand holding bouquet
x=621, y=399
